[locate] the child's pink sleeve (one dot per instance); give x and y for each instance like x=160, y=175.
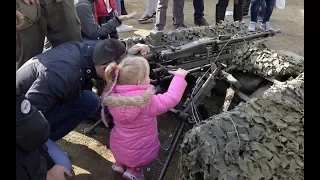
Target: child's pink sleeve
x=162, y=103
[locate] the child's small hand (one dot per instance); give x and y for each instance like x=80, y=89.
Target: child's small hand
x=179, y=71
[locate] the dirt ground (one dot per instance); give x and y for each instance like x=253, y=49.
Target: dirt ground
x=90, y=154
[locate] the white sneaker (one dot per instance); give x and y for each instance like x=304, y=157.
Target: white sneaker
x=155, y=30
x=252, y=26
x=266, y=26
x=124, y=28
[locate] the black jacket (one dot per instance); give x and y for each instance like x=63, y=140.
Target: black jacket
x=58, y=75
x=32, y=131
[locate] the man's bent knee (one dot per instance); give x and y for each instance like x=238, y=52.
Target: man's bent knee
x=92, y=101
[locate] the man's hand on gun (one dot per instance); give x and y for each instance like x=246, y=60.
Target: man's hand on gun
x=139, y=48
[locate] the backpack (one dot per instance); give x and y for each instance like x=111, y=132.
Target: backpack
x=31, y=14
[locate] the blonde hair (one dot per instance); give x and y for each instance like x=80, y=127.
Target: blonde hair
x=130, y=71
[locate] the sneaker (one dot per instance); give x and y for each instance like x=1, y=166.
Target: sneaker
x=145, y=19
x=252, y=26
x=156, y=29
x=200, y=22
x=266, y=26
x=118, y=168
x=133, y=174
x=124, y=28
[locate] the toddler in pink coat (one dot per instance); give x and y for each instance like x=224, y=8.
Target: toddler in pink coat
x=132, y=102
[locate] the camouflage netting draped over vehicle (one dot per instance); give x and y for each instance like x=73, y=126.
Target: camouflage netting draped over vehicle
x=260, y=60
x=260, y=139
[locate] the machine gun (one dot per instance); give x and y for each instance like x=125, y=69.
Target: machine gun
x=198, y=53
x=204, y=55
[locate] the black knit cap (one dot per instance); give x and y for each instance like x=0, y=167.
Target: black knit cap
x=108, y=50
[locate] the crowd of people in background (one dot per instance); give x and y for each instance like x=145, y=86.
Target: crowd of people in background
x=156, y=12
x=260, y=10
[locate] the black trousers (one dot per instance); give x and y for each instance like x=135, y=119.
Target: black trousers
x=221, y=8
x=246, y=5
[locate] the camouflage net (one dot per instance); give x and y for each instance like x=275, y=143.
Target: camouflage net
x=260, y=139
x=183, y=36
x=260, y=60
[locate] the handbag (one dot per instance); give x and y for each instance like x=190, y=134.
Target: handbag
x=280, y=4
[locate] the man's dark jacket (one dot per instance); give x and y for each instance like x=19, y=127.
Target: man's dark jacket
x=32, y=131
x=58, y=75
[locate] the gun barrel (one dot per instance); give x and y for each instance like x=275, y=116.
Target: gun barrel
x=254, y=35
x=200, y=45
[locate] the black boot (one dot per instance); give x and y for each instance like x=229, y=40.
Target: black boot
x=201, y=22
x=123, y=9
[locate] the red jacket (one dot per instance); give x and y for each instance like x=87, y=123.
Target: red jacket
x=101, y=7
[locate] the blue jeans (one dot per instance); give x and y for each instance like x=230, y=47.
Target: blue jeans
x=198, y=6
x=58, y=155
x=65, y=117
x=261, y=10
x=118, y=2
x=256, y=4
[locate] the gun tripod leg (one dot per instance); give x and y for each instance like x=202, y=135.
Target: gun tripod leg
x=172, y=149
x=90, y=129
x=166, y=146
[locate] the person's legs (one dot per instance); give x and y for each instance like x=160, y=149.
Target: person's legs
x=134, y=172
x=254, y=14
x=118, y=2
x=65, y=117
x=268, y=10
x=265, y=25
x=237, y=10
x=262, y=7
x=123, y=8
x=245, y=9
x=198, y=6
x=150, y=12
x=177, y=11
x=151, y=7
x=113, y=34
x=161, y=16
x=221, y=8
x=58, y=155
x=63, y=22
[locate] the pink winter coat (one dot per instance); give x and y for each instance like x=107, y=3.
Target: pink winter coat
x=134, y=139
